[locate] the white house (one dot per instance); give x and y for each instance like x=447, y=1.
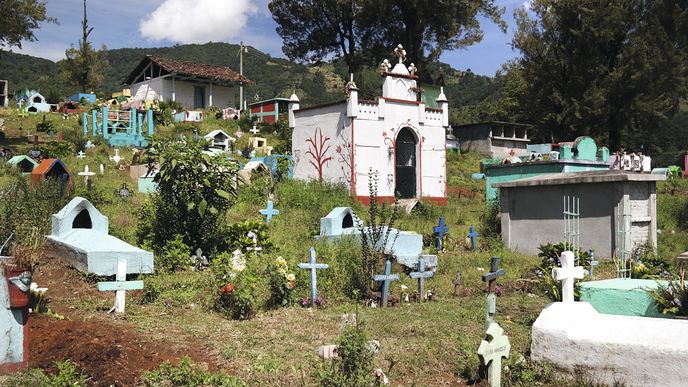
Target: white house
x=395, y=135
x=194, y=85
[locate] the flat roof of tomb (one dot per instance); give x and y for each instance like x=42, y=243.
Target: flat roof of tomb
x=588, y=177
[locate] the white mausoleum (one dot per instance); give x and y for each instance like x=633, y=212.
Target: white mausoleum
x=395, y=135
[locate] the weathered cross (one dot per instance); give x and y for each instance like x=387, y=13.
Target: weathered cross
x=440, y=230
x=492, y=349
x=254, y=130
x=116, y=158
x=567, y=274
x=491, y=277
x=313, y=266
x=123, y=191
x=458, y=282
x=421, y=275
x=87, y=174
x=269, y=212
x=386, y=278
x=81, y=155
x=120, y=286
x=593, y=261
x=474, y=236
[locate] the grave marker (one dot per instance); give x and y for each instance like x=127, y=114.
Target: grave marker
x=313, y=266
x=86, y=173
x=81, y=155
x=593, y=262
x=421, y=275
x=89, y=145
x=116, y=158
x=492, y=349
x=473, y=235
x=567, y=274
x=458, y=282
x=440, y=230
x=120, y=286
x=269, y=212
x=386, y=278
x=254, y=130
x=123, y=191
x=102, y=169
x=491, y=277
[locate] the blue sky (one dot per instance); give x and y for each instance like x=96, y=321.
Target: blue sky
x=155, y=23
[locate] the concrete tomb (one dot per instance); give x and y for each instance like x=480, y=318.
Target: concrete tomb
x=14, y=327
x=609, y=349
x=406, y=246
x=617, y=210
x=622, y=296
x=80, y=234
x=25, y=163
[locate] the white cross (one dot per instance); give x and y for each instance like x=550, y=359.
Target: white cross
x=492, y=349
x=81, y=155
x=102, y=169
x=254, y=130
x=86, y=173
x=567, y=273
x=116, y=158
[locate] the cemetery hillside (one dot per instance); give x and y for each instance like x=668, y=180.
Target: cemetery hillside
x=340, y=201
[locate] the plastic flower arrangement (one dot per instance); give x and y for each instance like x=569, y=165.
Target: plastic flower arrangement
x=282, y=282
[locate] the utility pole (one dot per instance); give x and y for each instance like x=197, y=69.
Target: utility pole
x=242, y=49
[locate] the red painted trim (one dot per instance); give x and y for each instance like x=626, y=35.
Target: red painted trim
x=353, y=160
x=440, y=201
x=406, y=101
x=420, y=165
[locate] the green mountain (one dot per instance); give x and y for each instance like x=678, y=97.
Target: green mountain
x=274, y=77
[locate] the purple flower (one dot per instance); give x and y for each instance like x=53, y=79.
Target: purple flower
x=498, y=290
x=678, y=302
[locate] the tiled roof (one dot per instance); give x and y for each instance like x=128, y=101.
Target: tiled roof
x=197, y=70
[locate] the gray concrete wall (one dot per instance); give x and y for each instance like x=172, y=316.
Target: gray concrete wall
x=474, y=139
x=532, y=216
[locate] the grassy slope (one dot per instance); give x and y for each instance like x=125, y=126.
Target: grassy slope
x=429, y=343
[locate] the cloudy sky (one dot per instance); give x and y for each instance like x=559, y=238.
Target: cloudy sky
x=154, y=23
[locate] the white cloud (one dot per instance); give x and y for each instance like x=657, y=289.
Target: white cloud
x=528, y=5
x=197, y=21
x=51, y=50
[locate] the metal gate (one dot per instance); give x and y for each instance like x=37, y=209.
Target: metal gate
x=572, y=225
x=405, y=149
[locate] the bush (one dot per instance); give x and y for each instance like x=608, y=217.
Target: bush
x=282, y=283
x=354, y=364
x=551, y=255
x=56, y=150
x=490, y=222
x=176, y=255
x=239, y=236
x=236, y=283
x=188, y=374
x=648, y=265
x=66, y=376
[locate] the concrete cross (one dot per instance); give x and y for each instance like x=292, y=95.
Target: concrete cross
x=593, y=261
x=120, y=286
x=89, y=145
x=492, y=349
x=440, y=230
x=254, y=130
x=102, y=169
x=491, y=276
x=458, y=282
x=386, y=278
x=567, y=274
x=474, y=236
x=313, y=266
x=421, y=275
x=81, y=155
x=116, y=158
x=86, y=173
x=269, y=212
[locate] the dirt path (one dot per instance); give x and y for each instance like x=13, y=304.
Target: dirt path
x=109, y=350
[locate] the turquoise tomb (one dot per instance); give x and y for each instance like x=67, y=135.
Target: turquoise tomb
x=80, y=234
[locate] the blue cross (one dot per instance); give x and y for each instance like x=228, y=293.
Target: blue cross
x=313, y=266
x=269, y=212
x=440, y=230
x=386, y=278
x=421, y=275
x=473, y=235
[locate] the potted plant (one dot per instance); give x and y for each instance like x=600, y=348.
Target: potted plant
x=19, y=267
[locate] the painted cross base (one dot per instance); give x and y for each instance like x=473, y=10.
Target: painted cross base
x=313, y=266
x=329, y=351
x=386, y=279
x=492, y=349
x=120, y=286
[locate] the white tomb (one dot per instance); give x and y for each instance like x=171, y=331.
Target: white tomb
x=396, y=135
x=634, y=351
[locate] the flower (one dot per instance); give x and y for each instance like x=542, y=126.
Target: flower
x=381, y=375
x=227, y=289
x=35, y=289
x=291, y=285
x=281, y=261
x=291, y=277
x=238, y=262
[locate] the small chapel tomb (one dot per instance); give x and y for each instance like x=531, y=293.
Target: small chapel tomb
x=80, y=234
x=396, y=135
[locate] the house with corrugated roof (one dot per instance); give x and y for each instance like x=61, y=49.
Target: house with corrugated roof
x=194, y=85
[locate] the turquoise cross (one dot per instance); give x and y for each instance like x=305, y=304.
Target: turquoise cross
x=421, y=275
x=313, y=266
x=473, y=235
x=269, y=212
x=120, y=285
x=386, y=278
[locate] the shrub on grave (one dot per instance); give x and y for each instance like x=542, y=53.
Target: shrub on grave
x=646, y=264
x=195, y=191
x=175, y=256
x=282, y=283
x=236, y=284
x=188, y=374
x=239, y=236
x=551, y=254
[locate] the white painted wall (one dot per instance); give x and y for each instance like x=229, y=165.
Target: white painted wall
x=223, y=96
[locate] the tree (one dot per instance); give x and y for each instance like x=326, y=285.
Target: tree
x=19, y=19
x=195, y=191
x=363, y=31
x=611, y=69
x=84, y=66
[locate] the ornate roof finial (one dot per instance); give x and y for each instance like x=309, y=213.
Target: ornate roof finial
x=400, y=53
x=350, y=86
x=412, y=69
x=385, y=66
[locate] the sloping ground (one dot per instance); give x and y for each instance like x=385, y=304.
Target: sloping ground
x=106, y=348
